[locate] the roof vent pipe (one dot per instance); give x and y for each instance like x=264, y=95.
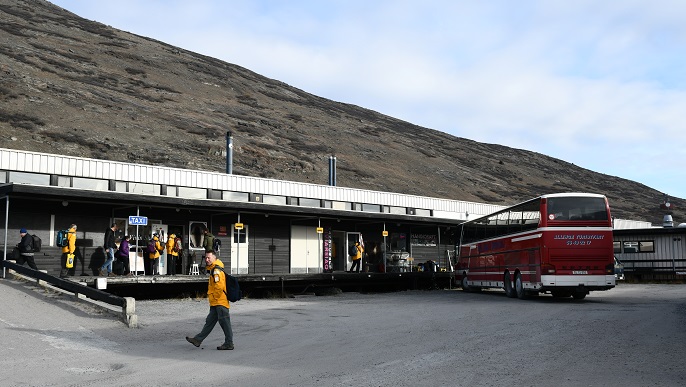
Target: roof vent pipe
x=332, y=171
x=229, y=153
x=667, y=221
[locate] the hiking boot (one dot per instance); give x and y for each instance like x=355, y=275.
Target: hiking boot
x=102, y=273
x=225, y=347
x=111, y=274
x=194, y=341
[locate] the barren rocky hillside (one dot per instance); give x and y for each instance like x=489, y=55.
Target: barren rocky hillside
x=77, y=87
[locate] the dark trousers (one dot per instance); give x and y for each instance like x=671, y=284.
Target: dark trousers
x=221, y=315
x=28, y=259
x=63, y=265
x=125, y=263
x=171, y=261
x=152, y=266
x=356, y=263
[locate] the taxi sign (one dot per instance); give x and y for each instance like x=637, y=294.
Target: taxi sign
x=384, y=233
x=138, y=220
x=238, y=226
x=320, y=230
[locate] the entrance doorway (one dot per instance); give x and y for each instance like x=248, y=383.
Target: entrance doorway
x=351, y=238
x=239, y=250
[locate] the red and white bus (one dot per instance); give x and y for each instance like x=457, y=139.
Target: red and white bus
x=557, y=243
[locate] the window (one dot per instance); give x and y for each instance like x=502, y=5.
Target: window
x=398, y=241
x=617, y=247
x=398, y=210
x=310, y=202
x=146, y=189
x=638, y=247
x=238, y=236
x=235, y=196
x=371, y=208
x=272, y=199
x=192, y=193
x=63, y=181
x=29, y=178
x=94, y=184
x=120, y=186
x=577, y=208
x=646, y=247
x=422, y=212
x=630, y=247
x=341, y=205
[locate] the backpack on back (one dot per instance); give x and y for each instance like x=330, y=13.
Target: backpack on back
x=216, y=244
x=177, y=245
x=62, y=240
x=36, y=243
x=233, y=290
x=152, y=249
x=352, y=251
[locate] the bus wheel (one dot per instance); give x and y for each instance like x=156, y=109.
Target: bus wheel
x=579, y=295
x=509, y=289
x=464, y=283
x=519, y=287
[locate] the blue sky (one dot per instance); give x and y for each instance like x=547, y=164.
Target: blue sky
x=601, y=84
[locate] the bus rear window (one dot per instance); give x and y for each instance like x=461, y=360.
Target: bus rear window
x=577, y=208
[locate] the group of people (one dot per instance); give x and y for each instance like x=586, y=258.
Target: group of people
x=216, y=288
x=151, y=253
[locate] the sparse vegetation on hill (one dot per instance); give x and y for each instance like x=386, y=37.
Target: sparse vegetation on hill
x=77, y=87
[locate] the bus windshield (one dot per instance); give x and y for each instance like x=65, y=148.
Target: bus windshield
x=576, y=208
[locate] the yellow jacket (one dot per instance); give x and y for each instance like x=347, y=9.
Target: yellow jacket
x=158, y=248
x=71, y=242
x=216, y=287
x=360, y=250
x=170, y=245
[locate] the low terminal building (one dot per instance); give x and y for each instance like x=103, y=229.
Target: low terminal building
x=652, y=253
x=265, y=226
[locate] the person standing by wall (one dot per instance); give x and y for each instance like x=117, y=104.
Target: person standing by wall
x=357, y=258
x=154, y=249
x=219, y=304
x=172, y=254
x=25, y=247
x=123, y=254
x=67, y=250
x=208, y=241
x=110, y=247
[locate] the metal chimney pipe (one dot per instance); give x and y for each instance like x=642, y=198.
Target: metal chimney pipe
x=332, y=171
x=229, y=153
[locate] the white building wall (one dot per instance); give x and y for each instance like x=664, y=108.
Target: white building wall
x=33, y=162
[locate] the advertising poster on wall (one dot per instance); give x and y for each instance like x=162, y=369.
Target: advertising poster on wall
x=328, y=250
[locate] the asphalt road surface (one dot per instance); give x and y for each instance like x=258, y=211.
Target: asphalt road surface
x=633, y=335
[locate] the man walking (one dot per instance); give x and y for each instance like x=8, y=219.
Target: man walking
x=25, y=247
x=219, y=304
x=110, y=247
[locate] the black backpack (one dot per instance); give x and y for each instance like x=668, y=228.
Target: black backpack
x=36, y=243
x=352, y=251
x=233, y=290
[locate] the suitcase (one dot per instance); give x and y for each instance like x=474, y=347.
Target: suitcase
x=118, y=267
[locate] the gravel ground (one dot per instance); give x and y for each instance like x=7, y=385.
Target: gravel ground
x=632, y=335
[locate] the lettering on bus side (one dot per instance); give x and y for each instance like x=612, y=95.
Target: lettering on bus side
x=578, y=240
